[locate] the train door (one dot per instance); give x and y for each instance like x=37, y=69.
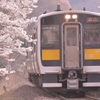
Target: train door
x=71, y=45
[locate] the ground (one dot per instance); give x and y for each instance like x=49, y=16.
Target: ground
x=19, y=88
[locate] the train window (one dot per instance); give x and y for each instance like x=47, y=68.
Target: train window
x=92, y=34
x=50, y=35
x=71, y=36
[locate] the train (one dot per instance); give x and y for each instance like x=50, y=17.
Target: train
x=67, y=51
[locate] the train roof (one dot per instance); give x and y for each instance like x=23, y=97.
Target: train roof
x=69, y=11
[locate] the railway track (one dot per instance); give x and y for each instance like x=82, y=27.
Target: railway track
x=89, y=97
x=66, y=97
x=62, y=94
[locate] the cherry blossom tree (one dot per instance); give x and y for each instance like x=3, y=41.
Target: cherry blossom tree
x=13, y=24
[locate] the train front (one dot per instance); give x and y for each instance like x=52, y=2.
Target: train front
x=68, y=47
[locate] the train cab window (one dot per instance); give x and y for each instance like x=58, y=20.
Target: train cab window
x=92, y=35
x=50, y=35
x=71, y=37
x=98, y=38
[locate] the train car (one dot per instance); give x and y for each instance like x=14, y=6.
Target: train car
x=67, y=52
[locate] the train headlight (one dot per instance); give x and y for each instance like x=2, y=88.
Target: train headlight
x=67, y=16
x=72, y=74
x=74, y=16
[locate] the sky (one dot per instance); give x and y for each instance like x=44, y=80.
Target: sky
x=50, y=5
x=91, y=5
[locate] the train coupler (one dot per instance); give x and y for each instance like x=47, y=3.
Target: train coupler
x=72, y=84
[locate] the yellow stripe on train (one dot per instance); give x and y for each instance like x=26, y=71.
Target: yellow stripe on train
x=92, y=54
x=50, y=54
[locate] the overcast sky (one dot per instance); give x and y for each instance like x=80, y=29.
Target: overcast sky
x=91, y=5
